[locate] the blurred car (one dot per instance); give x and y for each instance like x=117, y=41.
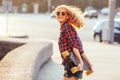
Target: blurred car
x=105, y=11
x=90, y=12
x=52, y=15
x=118, y=14
x=98, y=28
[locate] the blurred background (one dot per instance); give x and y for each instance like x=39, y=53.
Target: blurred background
x=20, y=17
x=34, y=20
x=15, y=6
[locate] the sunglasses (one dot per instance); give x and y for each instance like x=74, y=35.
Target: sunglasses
x=61, y=13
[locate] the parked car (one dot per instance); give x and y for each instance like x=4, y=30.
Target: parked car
x=118, y=14
x=98, y=28
x=105, y=11
x=52, y=15
x=91, y=12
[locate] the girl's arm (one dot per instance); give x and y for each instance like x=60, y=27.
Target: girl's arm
x=88, y=61
x=77, y=54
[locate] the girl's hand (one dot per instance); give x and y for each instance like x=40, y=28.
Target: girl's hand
x=80, y=66
x=91, y=68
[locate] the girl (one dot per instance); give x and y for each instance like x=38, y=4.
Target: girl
x=70, y=19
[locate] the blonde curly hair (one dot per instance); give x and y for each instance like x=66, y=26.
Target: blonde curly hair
x=76, y=16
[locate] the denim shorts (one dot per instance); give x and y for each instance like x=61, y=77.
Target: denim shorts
x=67, y=70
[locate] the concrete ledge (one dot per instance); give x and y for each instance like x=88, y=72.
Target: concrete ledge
x=24, y=62
x=7, y=46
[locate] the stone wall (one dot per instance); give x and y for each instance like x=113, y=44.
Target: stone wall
x=24, y=62
x=6, y=46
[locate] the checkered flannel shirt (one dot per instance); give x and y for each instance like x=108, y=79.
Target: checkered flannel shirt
x=69, y=38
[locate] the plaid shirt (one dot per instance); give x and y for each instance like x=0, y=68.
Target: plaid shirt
x=69, y=38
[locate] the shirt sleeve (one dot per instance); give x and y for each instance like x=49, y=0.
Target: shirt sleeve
x=71, y=36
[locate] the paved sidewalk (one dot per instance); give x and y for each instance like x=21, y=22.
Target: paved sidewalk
x=51, y=71
x=105, y=58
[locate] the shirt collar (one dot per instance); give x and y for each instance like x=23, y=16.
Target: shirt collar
x=62, y=26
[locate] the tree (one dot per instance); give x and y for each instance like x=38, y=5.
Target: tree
x=43, y=4
x=0, y=2
x=118, y=3
x=100, y=4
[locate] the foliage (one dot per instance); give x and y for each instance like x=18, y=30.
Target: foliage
x=118, y=3
x=43, y=4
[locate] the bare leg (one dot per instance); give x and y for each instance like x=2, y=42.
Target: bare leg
x=74, y=78
x=66, y=78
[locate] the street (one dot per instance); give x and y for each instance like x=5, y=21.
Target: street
x=105, y=57
x=39, y=25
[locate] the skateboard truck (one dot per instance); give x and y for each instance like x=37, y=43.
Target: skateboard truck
x=74, y=69
x=65, y=54
x=88, y=72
